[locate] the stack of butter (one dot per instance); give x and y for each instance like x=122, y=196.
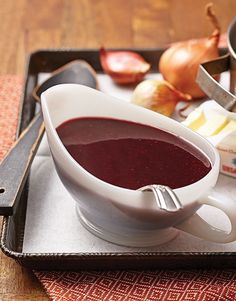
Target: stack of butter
x=219, y=127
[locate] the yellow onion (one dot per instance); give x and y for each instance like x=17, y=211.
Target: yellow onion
x=179, y=63
x=158, y=95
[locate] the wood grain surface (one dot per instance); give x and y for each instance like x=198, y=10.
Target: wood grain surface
x=29, y=25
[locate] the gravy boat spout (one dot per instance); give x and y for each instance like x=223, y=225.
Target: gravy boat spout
x=124, y=216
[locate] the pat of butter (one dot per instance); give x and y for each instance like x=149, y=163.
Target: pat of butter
x=213, y=125
x=195, y=119
x=219, y=127
x=230, y=127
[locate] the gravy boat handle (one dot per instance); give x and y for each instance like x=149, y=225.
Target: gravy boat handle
x=197, y=226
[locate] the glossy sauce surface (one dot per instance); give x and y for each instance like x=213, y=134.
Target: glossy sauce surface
x=132, y=155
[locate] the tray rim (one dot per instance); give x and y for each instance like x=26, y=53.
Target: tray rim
x=88, y=255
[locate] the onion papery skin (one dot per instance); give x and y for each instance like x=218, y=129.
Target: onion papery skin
x=179, y=64
x=158, y=95
x=124, y=67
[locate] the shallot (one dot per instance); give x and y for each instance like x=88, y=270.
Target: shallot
x=158, y=95
x=124, y=67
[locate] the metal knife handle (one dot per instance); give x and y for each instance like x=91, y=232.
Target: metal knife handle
x=16, y=164
x=211, y=87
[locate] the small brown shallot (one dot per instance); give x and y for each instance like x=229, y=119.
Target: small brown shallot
x=158, y=95
x=124, y=67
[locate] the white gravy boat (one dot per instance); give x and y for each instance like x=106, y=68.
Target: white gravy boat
x=123, y=216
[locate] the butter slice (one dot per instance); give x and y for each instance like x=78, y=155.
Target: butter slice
x=213, y=125
x=230, y=127
x=195, y=119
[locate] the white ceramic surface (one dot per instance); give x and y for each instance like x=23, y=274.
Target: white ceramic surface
x=120, y=215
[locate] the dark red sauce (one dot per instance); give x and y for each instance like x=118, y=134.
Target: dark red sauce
x=132, y=155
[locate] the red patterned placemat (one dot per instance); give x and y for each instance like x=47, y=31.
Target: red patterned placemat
x=10, y=92
x=161, y=285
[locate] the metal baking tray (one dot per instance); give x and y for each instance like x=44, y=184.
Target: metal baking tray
x=12, y=234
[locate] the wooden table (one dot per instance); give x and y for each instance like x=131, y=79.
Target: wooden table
x=33, y=24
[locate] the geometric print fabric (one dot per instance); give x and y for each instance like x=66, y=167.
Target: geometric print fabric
x=185, y=285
